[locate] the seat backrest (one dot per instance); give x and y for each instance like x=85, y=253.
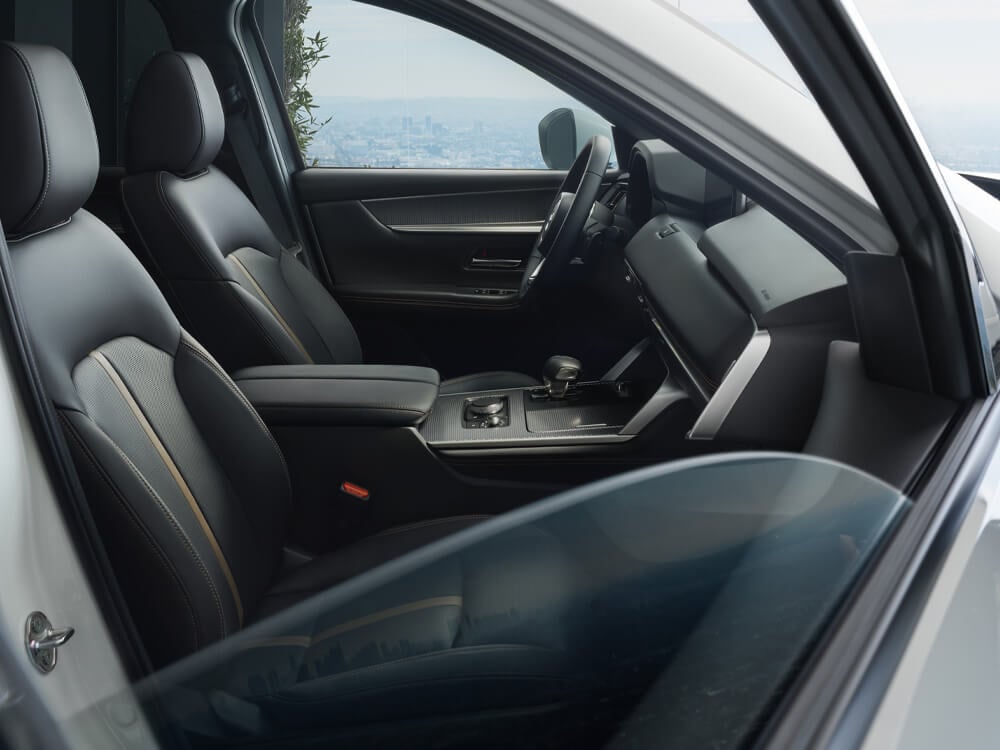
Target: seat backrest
x=236, y=289
x=188, y=488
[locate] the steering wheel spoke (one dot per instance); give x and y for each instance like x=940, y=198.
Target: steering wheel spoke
x=563, y=228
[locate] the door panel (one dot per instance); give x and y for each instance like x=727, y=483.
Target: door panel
x=323, y=184
x=429, y=188
x=425, y=234
x=446, y=239
x=404, y=251
x=416, y=258
x=516, y=210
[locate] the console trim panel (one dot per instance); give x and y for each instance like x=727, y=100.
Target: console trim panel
x=444, y=427
x=739, y=376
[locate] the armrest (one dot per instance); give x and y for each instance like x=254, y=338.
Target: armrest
x=358, y=395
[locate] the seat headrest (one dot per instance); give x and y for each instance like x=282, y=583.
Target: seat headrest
x=49, y=157
x=175, y=122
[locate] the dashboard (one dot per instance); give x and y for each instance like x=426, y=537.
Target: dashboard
x=742, y=307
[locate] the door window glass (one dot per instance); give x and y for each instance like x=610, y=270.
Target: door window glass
x=677, y=602
x=369, y=87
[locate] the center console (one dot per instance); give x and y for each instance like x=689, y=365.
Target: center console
x=598, y=412
x=371, y=447
x=614, y=409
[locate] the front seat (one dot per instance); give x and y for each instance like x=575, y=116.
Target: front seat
x=249, y=300
x=189, y=490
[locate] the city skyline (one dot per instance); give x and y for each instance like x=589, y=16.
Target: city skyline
x=507, y=134
x=437, y=132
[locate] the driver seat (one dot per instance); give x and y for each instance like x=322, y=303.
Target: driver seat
x=248, y=299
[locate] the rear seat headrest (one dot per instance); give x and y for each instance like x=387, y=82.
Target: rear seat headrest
x=49, y=157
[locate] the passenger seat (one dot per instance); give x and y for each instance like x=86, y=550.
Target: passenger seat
x=240, y=292
x=190, y=491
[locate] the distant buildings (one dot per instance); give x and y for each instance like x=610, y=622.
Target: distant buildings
x=362, y=139
x=501, y=134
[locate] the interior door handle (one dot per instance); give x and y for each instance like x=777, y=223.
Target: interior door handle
x=496, y=262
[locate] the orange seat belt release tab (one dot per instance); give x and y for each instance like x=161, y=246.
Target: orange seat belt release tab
x=355, y=490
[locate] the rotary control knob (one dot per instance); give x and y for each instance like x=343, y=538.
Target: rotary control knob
x=486, y=407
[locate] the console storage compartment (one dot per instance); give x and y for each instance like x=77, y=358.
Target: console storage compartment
x=341, y=395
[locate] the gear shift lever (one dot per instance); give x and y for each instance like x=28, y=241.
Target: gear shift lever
x=559, y=374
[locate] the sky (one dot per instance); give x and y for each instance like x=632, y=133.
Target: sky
x=379, y=54
x=940, y=51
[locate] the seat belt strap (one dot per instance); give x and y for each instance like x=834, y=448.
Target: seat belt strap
x=248, y=156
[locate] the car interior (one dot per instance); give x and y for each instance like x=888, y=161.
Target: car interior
x=254, y=422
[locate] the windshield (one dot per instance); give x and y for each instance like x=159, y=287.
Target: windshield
x=737, y=23
x=940, y=54
x=943, y=57
x=676, y=602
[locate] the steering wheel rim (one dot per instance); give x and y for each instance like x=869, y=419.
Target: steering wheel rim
x=567, y=216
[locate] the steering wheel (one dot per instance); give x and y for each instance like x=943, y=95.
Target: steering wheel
x=562, y=230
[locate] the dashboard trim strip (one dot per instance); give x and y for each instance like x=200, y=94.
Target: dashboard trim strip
x=520, y=228
x=668, y=394
x=695, y=380
x=733, y=385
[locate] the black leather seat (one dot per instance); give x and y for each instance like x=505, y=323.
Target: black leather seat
x=237, y=290
x=188, y=488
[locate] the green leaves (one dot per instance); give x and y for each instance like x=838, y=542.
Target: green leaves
x=302, y=54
